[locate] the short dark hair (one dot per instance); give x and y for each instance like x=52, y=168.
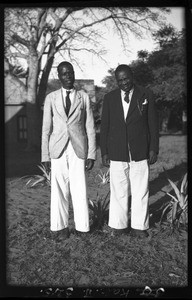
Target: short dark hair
x=64, y=64
x=123, y=67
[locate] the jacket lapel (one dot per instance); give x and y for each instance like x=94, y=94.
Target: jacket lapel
x=75, y=103
x=134, y=102
x=118, y=105
x=59, y=104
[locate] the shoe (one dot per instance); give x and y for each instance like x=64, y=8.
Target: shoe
x=118, y=232
x=62, y=234
x=81, y=233
x=139, y=233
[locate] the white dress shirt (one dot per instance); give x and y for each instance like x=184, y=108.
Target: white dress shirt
x=71, y=95
x=124, y=103
x=126, y=107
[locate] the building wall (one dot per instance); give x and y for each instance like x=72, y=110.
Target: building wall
x=15, y=91
x=14, y=107
x=12, y=114
x=88, y=86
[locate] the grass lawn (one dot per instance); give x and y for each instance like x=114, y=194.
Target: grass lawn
x=100, y=260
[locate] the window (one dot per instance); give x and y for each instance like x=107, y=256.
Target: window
x=22, y=128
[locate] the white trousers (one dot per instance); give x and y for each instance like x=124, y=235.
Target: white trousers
x=129, y=179
x=68, y=181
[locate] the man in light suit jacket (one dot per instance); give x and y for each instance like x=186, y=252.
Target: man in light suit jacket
x=129, y=141
x=69, y=147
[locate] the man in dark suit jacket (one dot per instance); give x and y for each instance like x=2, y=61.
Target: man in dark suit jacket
x=129, y=140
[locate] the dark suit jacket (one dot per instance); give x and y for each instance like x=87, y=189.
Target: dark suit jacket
x=140, y=131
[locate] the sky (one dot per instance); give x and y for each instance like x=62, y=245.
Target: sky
x=96, y=69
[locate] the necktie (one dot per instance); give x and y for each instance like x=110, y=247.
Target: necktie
x=126, y=98
x=67, y=102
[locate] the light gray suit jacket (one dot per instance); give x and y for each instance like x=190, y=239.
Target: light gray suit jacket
x=57, y=128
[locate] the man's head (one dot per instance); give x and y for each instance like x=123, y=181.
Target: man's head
x=66, y=74
x=124, y=77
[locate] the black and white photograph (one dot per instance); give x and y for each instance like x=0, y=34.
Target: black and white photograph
x=96, y=150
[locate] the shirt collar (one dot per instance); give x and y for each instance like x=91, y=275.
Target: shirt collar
x=130, y=93
x=65, y=90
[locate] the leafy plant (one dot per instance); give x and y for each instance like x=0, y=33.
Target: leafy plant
x=34, y=180
x=100, y=209
x=104, y=176
x=177, y=208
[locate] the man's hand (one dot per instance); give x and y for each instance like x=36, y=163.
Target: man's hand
x=89, y=164
x=105, y=160
x=152, y=157
x=47, y=165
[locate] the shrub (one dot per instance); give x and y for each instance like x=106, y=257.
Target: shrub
x=104, y=176
x=34, y=180
x=177, y=209
x=100, y=209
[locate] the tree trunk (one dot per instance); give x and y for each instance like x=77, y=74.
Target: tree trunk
x=46, y=71
x=43, y=82
x=35, y=100
x=33, y=112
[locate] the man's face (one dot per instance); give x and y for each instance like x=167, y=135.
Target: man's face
x=124, y=80
x=66, y=76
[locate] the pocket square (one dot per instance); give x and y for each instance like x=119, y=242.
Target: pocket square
x=145, y=102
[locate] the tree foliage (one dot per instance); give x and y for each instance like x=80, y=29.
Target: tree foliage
x=168, y=65
x=164, y=71
x=109, y=81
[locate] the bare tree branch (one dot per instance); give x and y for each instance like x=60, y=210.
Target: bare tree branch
x=19, y=54
x=21, y=40
x=24, y=24
x=41, y=21
x=80, y=28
